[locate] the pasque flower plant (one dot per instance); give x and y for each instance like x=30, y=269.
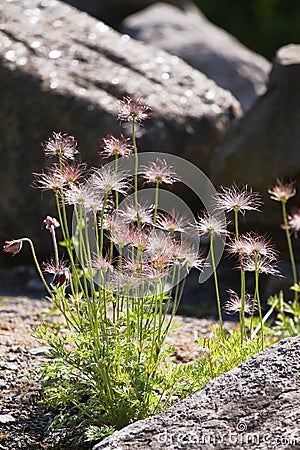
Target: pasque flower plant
x=114, y=290
x=118, y=277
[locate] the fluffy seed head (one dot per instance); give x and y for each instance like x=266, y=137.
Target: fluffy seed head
x=282, y=192
x=160, y=244
x=234, y=304
x=84, y=195
x=261, y=265
x=133, y=110
x=130, y=212
x=235, y=199
x=139, y=238
x=294, y=222
x=159, y=172
x=101, y=263
x=51, y=180
x=107, y=179
x=119, y=234
x=210, y=224
x=72, y=172
x=172, y=222
x=111, y=145
x=61, y=146
x=252, y=244
x=189, y=256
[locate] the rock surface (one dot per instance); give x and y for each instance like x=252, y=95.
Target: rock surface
x=265, y=144
x=109, y=11
x=62, y=70
x=208, y=48
x=255, y=406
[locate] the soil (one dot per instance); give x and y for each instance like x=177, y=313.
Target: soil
x=24, y=424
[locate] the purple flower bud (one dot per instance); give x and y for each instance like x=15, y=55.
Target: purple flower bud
x=61, y=277
x=50, y=223
x=13, y=246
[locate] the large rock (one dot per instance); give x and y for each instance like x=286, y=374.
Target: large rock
x=265, y=144
x=109, y=11
x=189, y=35
x=255, y=406
x=62, y=70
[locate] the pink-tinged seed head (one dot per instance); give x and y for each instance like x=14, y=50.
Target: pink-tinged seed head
x=133, y=110
x=60, y=145
x=281, y=192
x=235, y=199
x=111, y=145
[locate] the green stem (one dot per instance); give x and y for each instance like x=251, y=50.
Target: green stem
x=242, y=313
x=236, y=222
x=101, y=222
x=156, y=203
x=117, y=193
x=37, y=264
x=243, y=283
x=136, y=165
x=290, y=248
x=216, y=282
x=56, y=257
x=64, y=227
x=259, y=306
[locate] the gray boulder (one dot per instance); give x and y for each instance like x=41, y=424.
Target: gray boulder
x=109, y=11
x=255, y=406
x=62, y=70
x=208, y=48
x=265, y=144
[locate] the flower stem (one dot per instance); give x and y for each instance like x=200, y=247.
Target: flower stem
x=290, y=248
x=216, y=282
x=242, y=313
x=243, y=281
x=37, y=264
x=136, y=165
x=259, y=305
x=156, y=203
x=56, y=257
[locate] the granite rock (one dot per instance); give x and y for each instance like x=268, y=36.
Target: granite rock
x=62, y=70
x=265, y=144
x=208, y=48
x=109, y=11
x=254, y=406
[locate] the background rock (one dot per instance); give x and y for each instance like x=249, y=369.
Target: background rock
x=255, y=406
x=109, y=11
x=208, y=48
x=62, y=70
x=265, y=144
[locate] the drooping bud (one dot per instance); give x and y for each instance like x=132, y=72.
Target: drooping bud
x=13, y=246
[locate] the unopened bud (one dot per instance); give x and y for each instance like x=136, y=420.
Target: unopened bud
x=50, y=223
x=61, y=277
x=13, y=246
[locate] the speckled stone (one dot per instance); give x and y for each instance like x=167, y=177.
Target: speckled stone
x=110, y=12
x=265, y=144
x=62, y=70
x=190, y=36
x=255, y=406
